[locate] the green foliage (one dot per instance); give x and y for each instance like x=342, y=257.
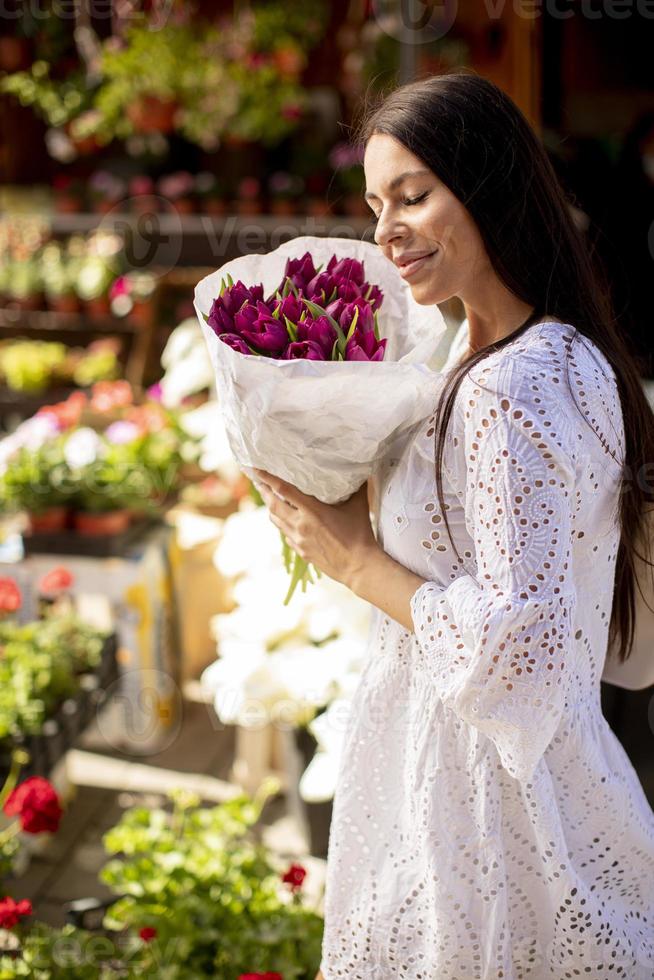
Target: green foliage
x=30, y=365
x=55, y=101
x=203, y=880
x=39, y=667
x=36, y=479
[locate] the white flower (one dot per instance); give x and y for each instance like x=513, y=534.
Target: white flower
x=318, y=781
x=82, y=448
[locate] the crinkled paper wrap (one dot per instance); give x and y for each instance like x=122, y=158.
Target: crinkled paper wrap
x=324, y=426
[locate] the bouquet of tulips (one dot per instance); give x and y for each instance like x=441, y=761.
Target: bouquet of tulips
x=320, y=356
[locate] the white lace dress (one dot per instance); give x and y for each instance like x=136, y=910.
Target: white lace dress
x=487, y=822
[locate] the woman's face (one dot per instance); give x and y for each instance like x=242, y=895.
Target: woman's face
x=421, y=215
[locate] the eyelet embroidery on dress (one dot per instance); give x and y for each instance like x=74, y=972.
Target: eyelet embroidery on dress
x=486, y=824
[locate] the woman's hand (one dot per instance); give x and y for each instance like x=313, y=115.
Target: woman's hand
x=337, y=538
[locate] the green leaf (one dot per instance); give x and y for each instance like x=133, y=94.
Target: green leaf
x=291, y=328
x=353, y=324
x=375, y=318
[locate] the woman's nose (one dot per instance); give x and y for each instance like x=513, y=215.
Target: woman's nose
x=386, y=230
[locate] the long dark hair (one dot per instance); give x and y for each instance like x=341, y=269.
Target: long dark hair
x=480, y=145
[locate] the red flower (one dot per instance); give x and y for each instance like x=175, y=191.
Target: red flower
x=11, y=911
x=36, y=802
x=10, y=597
x=56, y=580
x=260, y=976
x=294, y=876
x=147, y=933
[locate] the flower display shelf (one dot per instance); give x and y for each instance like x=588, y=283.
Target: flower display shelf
x=51, y=325
x=71, y=542
x=26, y=403
x=61, y=730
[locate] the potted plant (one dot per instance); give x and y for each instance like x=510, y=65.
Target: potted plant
x=58, y=272
x=212, y=193
x=178, y=188
x=132, y=295
x=96, y=271
x=285, y=192
x=29, y=366
x=209, y=890
x=248, y=196
x=105, y=190
x=142, y=195
x=35, y=481
x=68, y=194
x=24, y=283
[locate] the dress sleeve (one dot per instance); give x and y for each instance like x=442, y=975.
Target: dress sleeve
x=499, y=646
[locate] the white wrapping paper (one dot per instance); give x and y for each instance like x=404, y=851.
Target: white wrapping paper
x=324, y=426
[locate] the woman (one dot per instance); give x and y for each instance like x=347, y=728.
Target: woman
x=487, y=822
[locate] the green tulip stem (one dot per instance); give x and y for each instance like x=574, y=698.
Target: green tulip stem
x=19, y=758
x=297, y=567
x=9, y=832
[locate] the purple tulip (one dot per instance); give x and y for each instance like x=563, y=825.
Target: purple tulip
x=348, y=290
x=320, y=288
x=318, y=331
x=365, y=320
x=304, y=350
x=376, y=295
x=300, y=271
x=350, y=269
x=364, y=346
x=266, y=334
x=335, y=308
x=225, y=307
x=235, y=342
x=290, y=306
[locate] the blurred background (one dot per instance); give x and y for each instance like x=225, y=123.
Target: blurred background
x=142, y=145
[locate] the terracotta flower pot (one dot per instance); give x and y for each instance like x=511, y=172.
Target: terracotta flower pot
x=184, y=205
x=318, y=207
x=283, y=206
x=67, y=303
x=97, y=308
x=150, y=114
x=14, y=53
x=52, y=519
x=214, y=206
x=34, y=301
x=68, y=204
x=249, y=206
x=106, y=522
x=355, y=206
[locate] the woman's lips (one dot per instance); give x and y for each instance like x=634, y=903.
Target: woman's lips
x=411, y=267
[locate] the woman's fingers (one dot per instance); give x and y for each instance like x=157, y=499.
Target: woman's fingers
x=290, y=494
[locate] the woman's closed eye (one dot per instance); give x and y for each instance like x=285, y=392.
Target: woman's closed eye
x=408, y=202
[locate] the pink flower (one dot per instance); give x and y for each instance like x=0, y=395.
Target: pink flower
x=58, y=579
x=10, y=596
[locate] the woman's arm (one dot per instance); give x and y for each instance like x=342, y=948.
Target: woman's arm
x=339, y=540
x=382, y=581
